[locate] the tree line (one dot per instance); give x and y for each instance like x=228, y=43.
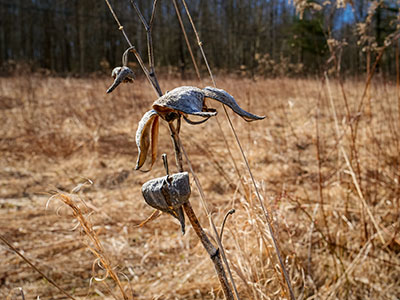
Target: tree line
x=269, y=37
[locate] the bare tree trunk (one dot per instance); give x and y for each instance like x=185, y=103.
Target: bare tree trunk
x=3, y=49
x=81, y=34
x=48, y=51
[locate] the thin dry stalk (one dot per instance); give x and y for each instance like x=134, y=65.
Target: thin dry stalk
x=214, y=83
x=320, y=183
x=398, y=116
x=214, y=253
x=353, y=145
x=228, y=148
x=275, y=243
x=360, y=194
x=95, y=247
x=371, y=73
x=51, y=281
x=178, y=14
x=178, y=155
x=230, y=212
x=361, y=254
x=200, y=44
x=266, y=214
x=309, y=256
x=364, y=204
x=321, y=187
x=354, y=155
x=148, y=27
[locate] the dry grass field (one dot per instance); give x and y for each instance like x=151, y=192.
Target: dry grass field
x=328, y=176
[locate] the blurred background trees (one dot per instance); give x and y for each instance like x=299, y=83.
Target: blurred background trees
x=269, y=37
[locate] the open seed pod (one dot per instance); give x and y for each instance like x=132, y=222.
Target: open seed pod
x=182, y=100
x=168, y=194
x=121, y=74
x=190, y=100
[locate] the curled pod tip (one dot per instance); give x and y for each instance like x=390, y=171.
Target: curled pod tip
x=227, y=99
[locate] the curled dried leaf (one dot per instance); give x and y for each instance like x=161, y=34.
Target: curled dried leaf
x=154, y=215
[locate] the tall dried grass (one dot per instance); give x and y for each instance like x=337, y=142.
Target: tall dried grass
x=57, y=132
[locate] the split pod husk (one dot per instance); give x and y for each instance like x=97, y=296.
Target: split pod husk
x=168, y=194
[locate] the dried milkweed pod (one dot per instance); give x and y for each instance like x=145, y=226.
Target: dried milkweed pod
x=190, y=100
x=121, y=74
x=181, y=101
x=168, y=194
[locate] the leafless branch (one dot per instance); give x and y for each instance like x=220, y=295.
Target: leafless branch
x=148, y=27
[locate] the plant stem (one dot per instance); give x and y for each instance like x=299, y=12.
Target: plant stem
x=52, y=282
x=151, y=76
x=211, y=250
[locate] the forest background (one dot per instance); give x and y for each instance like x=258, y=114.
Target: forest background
x=270, y=38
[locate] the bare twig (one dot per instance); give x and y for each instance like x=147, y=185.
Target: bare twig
x=51, y=281
x=199, y=43
x=120, y=27
x=320, y=179
x=22, y=293
x=395, y=38
x=353, y=146
x=310, y=240
x=178, y=14
x=230, y=212
x=148, y=27
x=275, y=243
x=214, y=83
x=398, y=117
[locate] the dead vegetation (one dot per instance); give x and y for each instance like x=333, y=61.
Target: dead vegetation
x=337, y=223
